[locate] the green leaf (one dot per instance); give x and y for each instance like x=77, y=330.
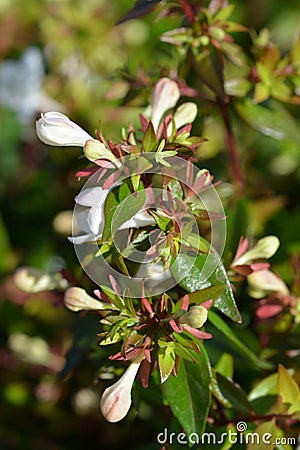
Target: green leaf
x=287, y=386
x=261, y=92
x=193, y=280
x=189, y=394
x=217, y=393
x=225, y=365
x=233, y=393
x=110, y=207
x=241, y=348
x=268, y=386
x=264, y=429
x=161, y=221
x=211, y=293
x=149, y=143
x=185, y=353
x=166, y=360
x=274, y=120
x=237, y=87
x=127, y=209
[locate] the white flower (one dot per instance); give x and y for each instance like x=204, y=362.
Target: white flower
x=116, y=399
x=77, y=299
x=89, y=215
x=264, y=282
x=54, y=128
x=31, y=280
x=165, y=96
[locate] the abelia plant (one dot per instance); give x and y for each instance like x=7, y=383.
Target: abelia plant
x=149, y=230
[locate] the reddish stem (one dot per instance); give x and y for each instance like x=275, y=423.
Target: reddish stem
x=189, y=11
x=231, y=144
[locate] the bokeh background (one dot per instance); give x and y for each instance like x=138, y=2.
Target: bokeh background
x=70, y=56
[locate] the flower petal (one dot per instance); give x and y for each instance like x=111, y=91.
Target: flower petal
x=54, y=128
x=166, y=94
x=116, y=399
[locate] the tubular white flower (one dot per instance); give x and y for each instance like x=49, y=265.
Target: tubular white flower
x=77, y=299
x=265, y=248
x=116, y=399
x=31, y=280
x=90, y=218
x=165, y=96
x=54, y=128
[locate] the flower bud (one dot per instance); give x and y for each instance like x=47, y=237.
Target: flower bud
x=166, y=94
x=94, y=149
x=116, y=399
x=265, y=282
x=195, y=317
x=31, y=280
x=265, y=248
x=77, y=299
x=185, y=114
x=54, y=128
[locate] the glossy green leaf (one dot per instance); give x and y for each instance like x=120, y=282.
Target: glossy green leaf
x=225, y=365
x=233, y=393
x=166, y=361
x=287, y=386
x=193, y=280
x=184, y=352
x=274, y=120
x=217, y=393
x=189, y=394
x=268, y=386
x=268, y=431
x=210, y=293
x=127, y=209
x=149, y=142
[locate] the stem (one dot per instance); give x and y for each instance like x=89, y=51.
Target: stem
x=189, y=11
x=231, y=143
x=263, y=417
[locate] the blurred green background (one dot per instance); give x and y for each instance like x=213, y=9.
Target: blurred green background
x=69, y=55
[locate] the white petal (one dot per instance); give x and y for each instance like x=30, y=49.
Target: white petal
x=116, y=399
x=92, y=196
x=165, y=97
x=140, y=219
x=54, y=128
x=96, y=219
